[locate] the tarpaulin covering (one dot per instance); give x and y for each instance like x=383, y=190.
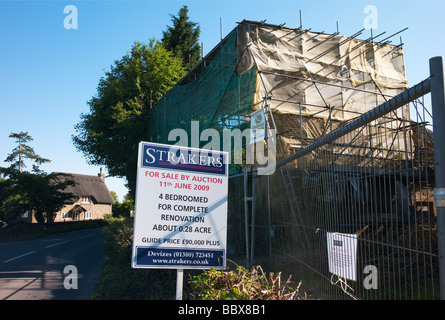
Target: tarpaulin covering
x=313, y=83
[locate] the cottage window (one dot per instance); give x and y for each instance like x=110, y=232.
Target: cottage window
x=87, y=215
x=85, y=199
x=64, y=215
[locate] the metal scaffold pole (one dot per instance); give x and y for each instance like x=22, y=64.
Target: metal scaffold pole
x=438, y=108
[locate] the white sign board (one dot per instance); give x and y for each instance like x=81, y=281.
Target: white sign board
x=342, y=254
x=257, y=126
x=181, y=208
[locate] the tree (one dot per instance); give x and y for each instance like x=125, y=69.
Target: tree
x=183, y=38
x=114, y=195
x=38, y=191
x=5, y=196
x=118, y=118
x=123, y=209
x=23, y=151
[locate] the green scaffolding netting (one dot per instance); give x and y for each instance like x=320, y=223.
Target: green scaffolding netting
x=312, y=84
x=218, y=98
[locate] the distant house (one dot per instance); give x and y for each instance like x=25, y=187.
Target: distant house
x=92, y=200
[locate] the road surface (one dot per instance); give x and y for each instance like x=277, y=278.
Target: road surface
x=65, y=266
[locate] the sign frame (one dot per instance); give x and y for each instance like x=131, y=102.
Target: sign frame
x=193, y=181
x=257, y=126
x=342, y=254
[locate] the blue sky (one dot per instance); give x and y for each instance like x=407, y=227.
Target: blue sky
x=48, y=73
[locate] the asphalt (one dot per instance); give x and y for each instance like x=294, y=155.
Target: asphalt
x=66, y=266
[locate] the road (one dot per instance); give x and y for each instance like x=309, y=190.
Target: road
x=34, y=269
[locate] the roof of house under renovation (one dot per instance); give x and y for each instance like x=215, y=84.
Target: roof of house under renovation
x=293, y=71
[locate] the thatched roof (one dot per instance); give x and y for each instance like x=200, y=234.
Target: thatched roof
x=87, y=185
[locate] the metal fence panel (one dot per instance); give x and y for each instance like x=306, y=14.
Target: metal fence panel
x=374, y=182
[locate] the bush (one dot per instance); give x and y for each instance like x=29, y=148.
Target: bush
x=123, y=209
x=118, y=237
x=119, y=279
x=243, y=285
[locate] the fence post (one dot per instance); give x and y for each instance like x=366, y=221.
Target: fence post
x=438, y=108
x=252, y=231
x=246, y=214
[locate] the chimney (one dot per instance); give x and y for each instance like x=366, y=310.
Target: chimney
x=101, y=174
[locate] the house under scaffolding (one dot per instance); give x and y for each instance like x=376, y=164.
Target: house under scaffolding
x=308, y=84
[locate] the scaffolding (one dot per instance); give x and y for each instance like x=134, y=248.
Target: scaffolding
x=308, y=83
x=350, y=157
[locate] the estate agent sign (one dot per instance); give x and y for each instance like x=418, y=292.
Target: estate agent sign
x=181, y=208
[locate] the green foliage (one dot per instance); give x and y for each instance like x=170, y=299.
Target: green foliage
x=182, y=38
x=221, y=285
x=118, y=119
x=240, y=284
x=118, y=236
x=119, y=280
x=39, y=191
x=123, y=209
x=23, y=151
x=6, y=196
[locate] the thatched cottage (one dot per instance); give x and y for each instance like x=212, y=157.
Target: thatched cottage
x=92, y=200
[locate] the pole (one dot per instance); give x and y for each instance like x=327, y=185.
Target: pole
x=252, y=230
x=269, y=215
x=179, y=283
x=405, y=97
x=221, y=28
x=301, y=21
x=246, y=215
x=438, y=108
